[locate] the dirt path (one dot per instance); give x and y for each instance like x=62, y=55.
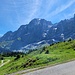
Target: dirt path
x=4, y=63
x=62, y=69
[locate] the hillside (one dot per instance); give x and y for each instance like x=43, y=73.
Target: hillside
x=38, y=30
x=55, y=53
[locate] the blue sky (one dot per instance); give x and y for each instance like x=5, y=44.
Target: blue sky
x=14, y=13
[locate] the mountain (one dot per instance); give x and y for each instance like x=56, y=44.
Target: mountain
x=2, y=50
x=28, y=36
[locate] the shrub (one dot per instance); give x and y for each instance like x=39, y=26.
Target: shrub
x=52, y=59
x=73, y=46
x=74, y=49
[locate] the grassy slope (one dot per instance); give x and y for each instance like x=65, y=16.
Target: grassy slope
x=57, y=53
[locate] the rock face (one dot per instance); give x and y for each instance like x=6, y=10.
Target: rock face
x=2, y=50
x=38, y=30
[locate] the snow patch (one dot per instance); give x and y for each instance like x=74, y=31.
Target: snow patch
x=40, y=42
x=44, y=34
x=49, y=26
x=35, y=45
x=55, y=29
x=53, y=40
x=27, y=34
x=47, y=31
x=62, y=35
x=39, y=19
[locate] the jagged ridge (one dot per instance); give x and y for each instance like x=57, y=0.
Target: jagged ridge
x=38, y=30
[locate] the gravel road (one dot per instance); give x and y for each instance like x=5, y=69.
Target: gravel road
x=61, y=69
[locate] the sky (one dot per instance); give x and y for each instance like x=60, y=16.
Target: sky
x=14, y=13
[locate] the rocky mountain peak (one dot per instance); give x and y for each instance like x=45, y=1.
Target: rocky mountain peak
x=38, y=21
x=38, y=30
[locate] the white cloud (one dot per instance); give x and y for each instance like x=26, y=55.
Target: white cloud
x=34, y=9
x=49, y=5
x=28, y=10
x=61, y=8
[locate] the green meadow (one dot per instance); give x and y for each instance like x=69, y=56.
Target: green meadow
x=47, y=56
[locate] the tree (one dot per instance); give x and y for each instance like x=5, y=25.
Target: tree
x=1, y=58
x=17, y=57
x=43, y=48
x=70, y=39
x=47, y=52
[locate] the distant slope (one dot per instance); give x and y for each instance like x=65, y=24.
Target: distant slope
x=49, y=55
